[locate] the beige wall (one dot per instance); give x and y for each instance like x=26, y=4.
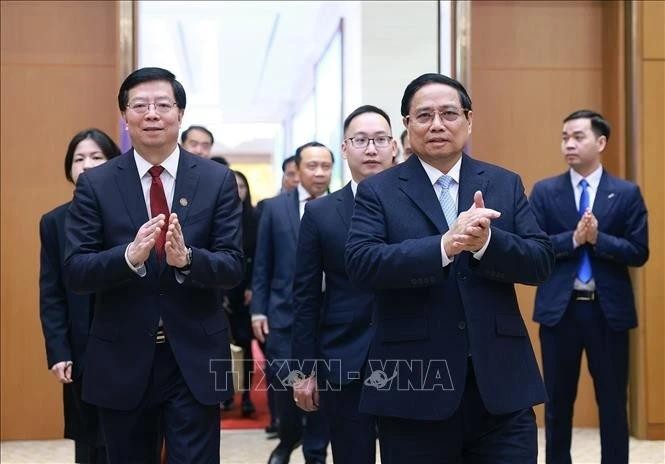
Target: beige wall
x=58, y=76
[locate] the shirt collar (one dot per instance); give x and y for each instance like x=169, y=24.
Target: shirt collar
x=170, y=164
x=434, y=174
x=303, y=194
x=354, y=187
x=593, y=179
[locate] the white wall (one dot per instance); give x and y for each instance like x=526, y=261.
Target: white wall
x=399, y=43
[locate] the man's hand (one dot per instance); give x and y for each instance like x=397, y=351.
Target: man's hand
x=471, y=229
x=139, y=250
x=306, y=394
x=63, y=371
x=591, y=228
x=175, y=248
x=260, y=329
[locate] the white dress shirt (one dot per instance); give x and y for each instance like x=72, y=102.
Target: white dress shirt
x=434, y=174
x=167, y=177
x=593, y=181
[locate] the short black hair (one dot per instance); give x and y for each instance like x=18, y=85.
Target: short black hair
x=105, y=143
x=599, y=125
x=434, y=78
x=220, y=160
x=403, y=136
x=148, y=75
x=183, y=136
x=299, y=150
x=365, y=109
x=290, y=159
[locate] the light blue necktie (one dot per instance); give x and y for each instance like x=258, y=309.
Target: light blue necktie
x=584, y=266
x=446, y=201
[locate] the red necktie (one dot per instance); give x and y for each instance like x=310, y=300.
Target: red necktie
x=158, y=205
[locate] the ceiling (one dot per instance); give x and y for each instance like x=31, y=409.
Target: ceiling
x=240, y=62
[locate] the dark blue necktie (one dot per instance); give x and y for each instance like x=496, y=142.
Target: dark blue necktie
x=584, y=266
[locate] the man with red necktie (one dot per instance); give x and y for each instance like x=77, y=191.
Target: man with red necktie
x=155, y=235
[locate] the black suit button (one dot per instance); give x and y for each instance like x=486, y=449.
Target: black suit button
x=461, y=325
x=461, y=276
x=152, y=333
x=414, y=281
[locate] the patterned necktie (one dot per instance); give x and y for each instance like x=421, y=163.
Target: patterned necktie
x=158, y=205
x=446, y=201
x=584, y=266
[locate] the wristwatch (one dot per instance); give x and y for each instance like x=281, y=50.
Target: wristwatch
x=187, y=266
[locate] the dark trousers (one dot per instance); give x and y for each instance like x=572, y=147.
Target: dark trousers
x=87, y=454
x=352, y=433
x=168, y=410
x=470, y=436
x=583, y=327
x=296, y=425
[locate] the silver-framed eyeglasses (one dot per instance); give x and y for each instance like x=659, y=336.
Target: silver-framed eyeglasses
x=361, y=141
x=160, y=106
x=426, y=117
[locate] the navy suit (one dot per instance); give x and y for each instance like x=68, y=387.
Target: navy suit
x=272, y=296
x=429, y=319
x=66, y=318
x=125, y=369
x=334, y=326
x=599, y=326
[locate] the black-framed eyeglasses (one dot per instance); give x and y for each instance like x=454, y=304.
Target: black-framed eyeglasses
x=425, y=118
x=161, y=106
x=382, y=141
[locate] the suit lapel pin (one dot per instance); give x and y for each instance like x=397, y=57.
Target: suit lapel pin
x=183, y=202
x=611, y=195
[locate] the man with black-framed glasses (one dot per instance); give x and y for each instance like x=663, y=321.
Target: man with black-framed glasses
x=441, y=239
x=154, y=235
x=333, y=322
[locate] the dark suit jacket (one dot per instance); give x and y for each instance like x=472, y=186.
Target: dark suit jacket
x=438, y=316
x=65, y=315
x=275, y=260
x=107, y=211
x=336, y=324
x=622, y=242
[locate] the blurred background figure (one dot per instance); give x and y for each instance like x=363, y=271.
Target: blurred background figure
x=239, y=298
x=406, y=145
x=198, y=140
x=290, y=178
x=66, y=316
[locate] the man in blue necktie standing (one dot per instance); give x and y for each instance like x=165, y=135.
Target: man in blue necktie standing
x=598, y=227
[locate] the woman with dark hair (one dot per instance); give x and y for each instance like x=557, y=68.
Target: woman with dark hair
x=240, y=297
x=65, y=316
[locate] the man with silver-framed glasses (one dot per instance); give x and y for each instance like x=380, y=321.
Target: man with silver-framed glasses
x=441, y=239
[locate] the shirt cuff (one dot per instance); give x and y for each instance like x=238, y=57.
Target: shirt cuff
x=138, y=270
x=259, y=317
x=575, y=244
x=445, y=260
x=180, y=276
x=479, y=254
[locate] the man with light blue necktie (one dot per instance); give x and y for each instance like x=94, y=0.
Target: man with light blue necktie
x=598, y=226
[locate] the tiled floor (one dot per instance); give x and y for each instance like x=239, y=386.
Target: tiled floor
x=251, y=447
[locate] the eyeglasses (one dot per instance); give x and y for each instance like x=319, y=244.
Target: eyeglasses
x=382, y=141
x=425, y=118
x=161, y=107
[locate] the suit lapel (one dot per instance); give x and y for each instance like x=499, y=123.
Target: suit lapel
x=292, y=205
x=471, y=180
x=186, y=182
x=605, y=197
x=565, y=198
x=131, y=192
x=417, y=186
x=345, y=204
